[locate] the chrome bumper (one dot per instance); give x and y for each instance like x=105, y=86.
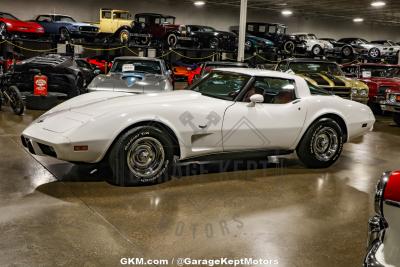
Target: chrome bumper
x=377, y=226
x=390, y=106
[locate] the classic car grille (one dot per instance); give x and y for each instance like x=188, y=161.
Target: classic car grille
x=87, y=29
x=344, y=92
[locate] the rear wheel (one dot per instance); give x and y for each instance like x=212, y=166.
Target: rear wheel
x=16, y=102
x=374, y=53
x=214, y=43
x=172, y=40
x=316, y=50
x=289, y=47
x=347, y=52
x=396, y=118
x=142, y=155
x=322, y=144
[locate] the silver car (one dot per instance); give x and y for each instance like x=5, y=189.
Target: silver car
x=136, y=75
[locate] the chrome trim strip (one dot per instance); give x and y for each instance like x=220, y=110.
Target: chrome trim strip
x=392, y=203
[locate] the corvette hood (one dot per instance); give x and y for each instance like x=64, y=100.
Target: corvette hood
x=24, y=24
x=98, y=103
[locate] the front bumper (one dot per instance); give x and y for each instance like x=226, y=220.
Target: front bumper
x=360, y=99
x=377, y=227
x=390, y=106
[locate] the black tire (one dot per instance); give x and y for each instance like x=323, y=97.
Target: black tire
x=347, y=52
x=64, y=35
x=3, y=29
x=16, y=102
x=396, y=118
x=374, y=53
x=314, y=140
x=150, y=140
x=214, y=43
x=124, y=36
x=289, y=47
x=317, y=50
x=172, y=40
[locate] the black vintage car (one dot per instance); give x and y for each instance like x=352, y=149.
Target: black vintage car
x=277, y=33
x=67, y=76
x=208, y=37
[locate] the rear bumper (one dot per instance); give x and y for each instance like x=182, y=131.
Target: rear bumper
x=390, y=106
x=376, y=231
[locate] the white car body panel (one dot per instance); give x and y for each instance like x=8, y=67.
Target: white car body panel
x=310, y=43
x=96, y=119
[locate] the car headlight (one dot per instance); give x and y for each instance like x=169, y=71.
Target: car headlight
x=392, y=98
x=363, y=92
x=8, y=24
x=354, y=92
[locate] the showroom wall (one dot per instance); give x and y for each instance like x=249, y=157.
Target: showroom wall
x=220, y=17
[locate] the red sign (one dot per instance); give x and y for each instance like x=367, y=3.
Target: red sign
x=40, y=85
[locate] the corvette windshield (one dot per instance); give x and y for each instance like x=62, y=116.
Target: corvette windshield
x=64, y=19
x=222, y=85
x=316, y=67
x=145, y=66
x=209, y=68
x=207, y=29
x=303, y=37
x=380, y=71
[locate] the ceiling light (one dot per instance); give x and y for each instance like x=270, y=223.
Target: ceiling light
x=378, y=4
x=358, y=19
x=199, y=3
x=287, y=12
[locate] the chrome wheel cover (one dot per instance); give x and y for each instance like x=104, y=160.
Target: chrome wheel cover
x=374, y=52
x=346, y=51
x=145, y=157
x=316, y=50
x=325, y=143
x=289, y=47
x=124, y=37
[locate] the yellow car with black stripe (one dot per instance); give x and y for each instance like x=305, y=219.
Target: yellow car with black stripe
x=327, y=75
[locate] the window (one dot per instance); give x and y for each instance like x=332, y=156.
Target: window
x=250, y=28
x=106, y=14
x=122, y=15
x=261, y=28
x=64, y=19
x=272, y=29
x=144, y=66
x=222, y=85
x=7, y=16
x=44, y=18
x=142, y=19
x=83, y=64
x=274, y=90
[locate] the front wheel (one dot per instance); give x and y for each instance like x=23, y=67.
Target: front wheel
x=16, y=102
x=396, y=118
x=64, y=35
x=3, y=29
x=289, y=47
x=374, y=53
x=347, y=52
x=172, y=40
x=316, y=50
x=142, y=155
x=322, y=144
x=124, y=36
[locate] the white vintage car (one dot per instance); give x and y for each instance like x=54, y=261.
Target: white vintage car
x=229, y=113
x=315, y=46
x=383, y=242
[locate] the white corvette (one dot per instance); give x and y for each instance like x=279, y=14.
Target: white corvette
x=230, y=113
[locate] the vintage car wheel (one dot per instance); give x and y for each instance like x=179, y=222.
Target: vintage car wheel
x=64, y=34
x=172, y=40
x=248, y=45
x=316, y=50
x=322, y=144
x=289, y=47
x=3, y=29
x=374, y=52
x=347, y=52
x=214, y=43
x=124, y=36
x=396, y=118
x=142, y=155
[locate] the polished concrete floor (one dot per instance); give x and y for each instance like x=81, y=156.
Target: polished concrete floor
x=57, y=214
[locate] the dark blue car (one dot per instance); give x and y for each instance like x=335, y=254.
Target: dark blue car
x=64, y=27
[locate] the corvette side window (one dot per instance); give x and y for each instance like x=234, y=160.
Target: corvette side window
x=274, y=90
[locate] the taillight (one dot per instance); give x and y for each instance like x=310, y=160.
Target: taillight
x=387, y=191
x=392, y=190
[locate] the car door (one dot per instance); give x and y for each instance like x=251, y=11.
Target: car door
x=274, y=124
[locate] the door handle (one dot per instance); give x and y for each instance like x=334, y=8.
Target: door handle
x=296, y=101
x=203, y=126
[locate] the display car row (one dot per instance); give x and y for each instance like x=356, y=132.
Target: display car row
x=158, y=30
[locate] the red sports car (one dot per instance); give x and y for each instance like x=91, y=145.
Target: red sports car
x=380, y=78
x=11, y=25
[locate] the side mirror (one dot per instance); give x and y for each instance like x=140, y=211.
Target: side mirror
x=256, y=98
